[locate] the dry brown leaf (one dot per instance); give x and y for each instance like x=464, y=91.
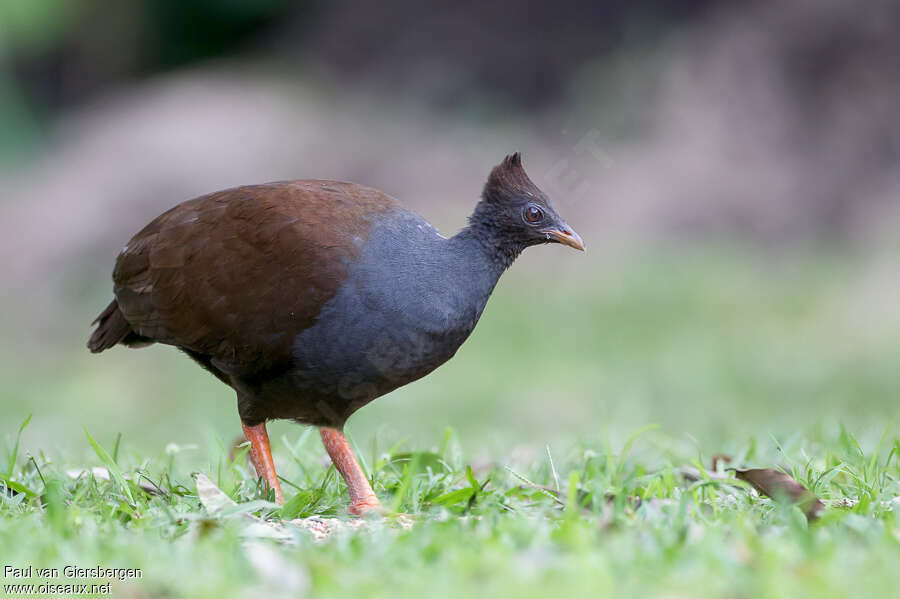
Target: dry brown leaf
x=774, y=484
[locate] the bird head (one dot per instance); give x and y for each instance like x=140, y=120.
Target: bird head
x=518, y=211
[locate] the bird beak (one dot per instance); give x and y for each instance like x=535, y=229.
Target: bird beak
x=565, y=235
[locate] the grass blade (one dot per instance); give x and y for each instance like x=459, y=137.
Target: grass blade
x=454, y=497
x=408, y=473
x=629, y=444
x=17, y=487
x=15, y=451
x=114, y=471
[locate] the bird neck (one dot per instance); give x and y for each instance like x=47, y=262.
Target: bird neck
x=489, y=245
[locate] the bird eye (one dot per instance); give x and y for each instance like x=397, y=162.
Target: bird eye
x=533, y=214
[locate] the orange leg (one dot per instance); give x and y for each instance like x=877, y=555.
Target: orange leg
x=261, y=457
x=362, y=497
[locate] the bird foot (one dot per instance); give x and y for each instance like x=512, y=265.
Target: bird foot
x=365, y=507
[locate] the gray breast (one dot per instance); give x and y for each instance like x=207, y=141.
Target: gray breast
x=407, y=305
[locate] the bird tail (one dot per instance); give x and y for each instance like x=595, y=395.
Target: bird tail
x=112, y=328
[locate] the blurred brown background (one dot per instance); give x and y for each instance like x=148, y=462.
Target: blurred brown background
x=763, y=130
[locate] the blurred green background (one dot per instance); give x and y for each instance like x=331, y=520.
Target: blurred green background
x=732, y=168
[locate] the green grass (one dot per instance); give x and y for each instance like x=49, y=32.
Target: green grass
x=543, y=488
x=598, y=519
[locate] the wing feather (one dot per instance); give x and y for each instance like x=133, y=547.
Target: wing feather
x=237, y=274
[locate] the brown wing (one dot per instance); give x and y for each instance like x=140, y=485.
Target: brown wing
x=237, y=274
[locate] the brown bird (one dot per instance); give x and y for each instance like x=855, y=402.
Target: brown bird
x=311, y=298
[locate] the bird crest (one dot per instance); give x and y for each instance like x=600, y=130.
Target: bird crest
x=508, y=180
